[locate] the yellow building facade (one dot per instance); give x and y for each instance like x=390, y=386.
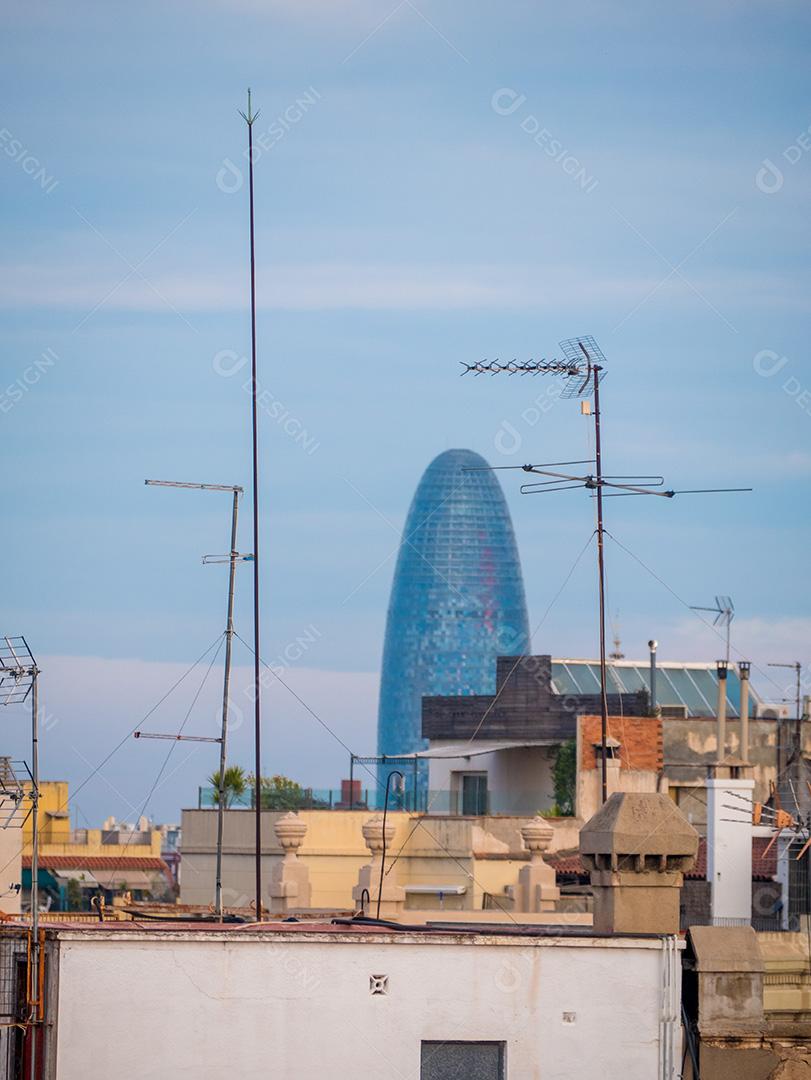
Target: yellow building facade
x=57, y=838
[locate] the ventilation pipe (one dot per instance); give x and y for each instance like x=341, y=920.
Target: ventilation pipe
x=722, y=709
x=743, y=668
x=653, y=646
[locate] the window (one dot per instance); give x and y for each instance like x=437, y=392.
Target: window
x=462, y=1061
x=474, y=793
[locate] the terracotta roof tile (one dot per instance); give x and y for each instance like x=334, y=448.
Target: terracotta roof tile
x=764, y=866
x=97, y=862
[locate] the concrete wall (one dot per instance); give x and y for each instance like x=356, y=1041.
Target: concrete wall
x=691, y=745
x=207, y=1006
x=333, y=849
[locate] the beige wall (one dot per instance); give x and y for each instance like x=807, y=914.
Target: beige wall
x=11, y=864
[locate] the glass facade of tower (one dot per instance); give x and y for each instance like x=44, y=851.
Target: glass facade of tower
x=457, y=601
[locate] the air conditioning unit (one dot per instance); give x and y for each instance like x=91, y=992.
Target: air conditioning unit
x=679, y=712
x=778, y=711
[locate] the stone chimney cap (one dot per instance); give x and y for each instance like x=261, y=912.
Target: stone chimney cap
x=635, y=823
x=726, y=948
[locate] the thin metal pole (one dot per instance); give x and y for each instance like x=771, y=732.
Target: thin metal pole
x=229, y=635
x=601, y=575
x=799, y=732
x=744, y=667
x=257, y=683
x=32, y=1030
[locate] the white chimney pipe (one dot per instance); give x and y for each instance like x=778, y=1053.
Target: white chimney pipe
x=722, y=709
x=743, y=668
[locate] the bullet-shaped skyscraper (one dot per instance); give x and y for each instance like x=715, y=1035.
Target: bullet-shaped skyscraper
x=457, y=600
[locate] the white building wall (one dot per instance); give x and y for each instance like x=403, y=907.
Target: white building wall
x=729, y=850
x=519, y=779
x=202, y=1006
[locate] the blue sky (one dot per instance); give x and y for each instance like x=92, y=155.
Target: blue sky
x=438, y=183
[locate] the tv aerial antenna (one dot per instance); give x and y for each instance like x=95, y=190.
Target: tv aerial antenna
x=775, y=817
x=19, y=678
x=724, y=612
x=233, y=557
x=797, y=668
x=582, y=368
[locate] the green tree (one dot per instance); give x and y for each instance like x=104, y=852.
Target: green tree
x=565, y=777
x=236, y=783
x=281, y=793
x=73, y=896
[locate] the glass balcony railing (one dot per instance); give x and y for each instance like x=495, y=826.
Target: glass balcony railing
x=476, y=803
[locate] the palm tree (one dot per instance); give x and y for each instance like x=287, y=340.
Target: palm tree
x=234, y=786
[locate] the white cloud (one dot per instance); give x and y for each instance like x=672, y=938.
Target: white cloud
x=372, y=286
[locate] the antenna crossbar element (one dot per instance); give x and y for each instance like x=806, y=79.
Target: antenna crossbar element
x=525, y=367
x=196, y=487
x=526, y=468
x=210, y=560
x=17, y=670
x=586, y=351
x=175, y=738
x=12, y=791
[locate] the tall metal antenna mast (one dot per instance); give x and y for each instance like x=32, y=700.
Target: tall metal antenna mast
x=797, y=667
x=233, y=558
x=250, y=118
x=724, y=612
x=19, y=676
x=582, y=368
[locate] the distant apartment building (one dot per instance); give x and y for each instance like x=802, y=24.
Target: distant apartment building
x=75, y=864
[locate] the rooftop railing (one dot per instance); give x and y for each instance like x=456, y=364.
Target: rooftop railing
x=452, y=803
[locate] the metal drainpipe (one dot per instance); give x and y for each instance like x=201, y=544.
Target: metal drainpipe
x=669, y=1025
x=744, y=667
x=722, y=709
